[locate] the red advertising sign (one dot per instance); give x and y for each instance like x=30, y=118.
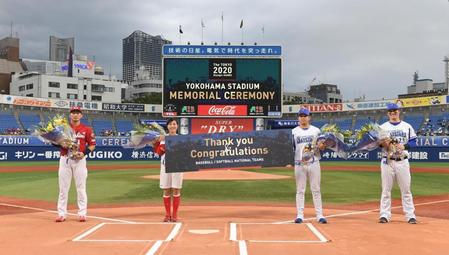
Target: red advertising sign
x=32, y=102
x=222, y=110
x=208, y=126
x=324, y=107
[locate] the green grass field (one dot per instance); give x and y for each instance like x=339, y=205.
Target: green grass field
x=127, y=186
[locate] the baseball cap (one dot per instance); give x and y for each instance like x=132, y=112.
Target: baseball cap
x=392, y=107
x=76, y=109
x=304, y=111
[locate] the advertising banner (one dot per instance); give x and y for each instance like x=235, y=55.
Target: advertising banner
x=42, y=153
x=221, y=50
x=124, y=107
x=420, y=101
x=208, y=126
x=366, y=105
x=313, y=108
x=222, y=150
x=222, y=87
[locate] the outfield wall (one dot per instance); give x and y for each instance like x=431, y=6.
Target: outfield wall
x=29, y=148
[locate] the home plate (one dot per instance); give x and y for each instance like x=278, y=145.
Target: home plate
x=203, y=231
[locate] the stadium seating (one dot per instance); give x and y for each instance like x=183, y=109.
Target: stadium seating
x=360, y=121
x=29, y=121
x=99, y=126
x=414, y=120
x=344, y=123
x=124, y=126
x=8, y=121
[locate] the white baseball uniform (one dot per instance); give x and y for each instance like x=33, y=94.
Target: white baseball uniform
x=77, y=168
x=311, y=169
x=169, y=180
x=397, y=169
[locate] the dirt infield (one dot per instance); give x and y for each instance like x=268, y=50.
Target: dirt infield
x=221, y=229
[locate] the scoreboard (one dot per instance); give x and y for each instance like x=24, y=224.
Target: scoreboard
x=222, y=86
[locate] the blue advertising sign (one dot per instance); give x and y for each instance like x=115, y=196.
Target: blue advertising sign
x=221, y=50
x=42, y=153
x=220, y=150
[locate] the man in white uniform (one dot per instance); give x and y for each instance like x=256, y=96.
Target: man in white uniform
x=305, y=135
x=395, y=165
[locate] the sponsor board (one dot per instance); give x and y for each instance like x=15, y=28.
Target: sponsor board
x=208, y=126
x=222, y=110
x=444, y=155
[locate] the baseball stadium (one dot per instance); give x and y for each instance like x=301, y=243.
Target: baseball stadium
x=239, y=210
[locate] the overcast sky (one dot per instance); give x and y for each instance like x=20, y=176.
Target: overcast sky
x=366, y=47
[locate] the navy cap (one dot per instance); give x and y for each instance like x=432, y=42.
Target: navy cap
x=392, y=106
x=304, y=111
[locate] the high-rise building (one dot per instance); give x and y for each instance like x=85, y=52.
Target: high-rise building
x=9, y=62
x=142, y=50
x=59, y=48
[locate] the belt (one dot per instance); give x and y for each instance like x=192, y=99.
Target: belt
x=397, y=159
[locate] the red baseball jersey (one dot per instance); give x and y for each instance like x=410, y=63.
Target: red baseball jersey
x=85, y=137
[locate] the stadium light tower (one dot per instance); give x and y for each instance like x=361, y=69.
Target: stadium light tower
x=446, y=72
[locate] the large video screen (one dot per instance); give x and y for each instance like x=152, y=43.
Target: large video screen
x=230, y=87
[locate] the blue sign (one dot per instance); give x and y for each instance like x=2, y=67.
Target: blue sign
x=46, y=153
x=32, y=141
x=221, y=50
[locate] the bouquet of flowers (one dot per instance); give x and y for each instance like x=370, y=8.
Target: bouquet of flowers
x=143, y=135
x=368, y=137
x=57, y=131
x=308, y=154
x=333, y=139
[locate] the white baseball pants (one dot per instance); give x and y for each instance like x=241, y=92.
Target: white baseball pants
x=67, y=168
x=313, y=172
x=400, y=171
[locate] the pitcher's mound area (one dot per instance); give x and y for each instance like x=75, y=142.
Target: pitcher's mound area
x=225, y=175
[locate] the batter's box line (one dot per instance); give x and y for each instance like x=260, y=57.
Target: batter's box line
x=171, y=235
x=315, y=231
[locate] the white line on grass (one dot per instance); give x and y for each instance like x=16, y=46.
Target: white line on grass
x=52, y=211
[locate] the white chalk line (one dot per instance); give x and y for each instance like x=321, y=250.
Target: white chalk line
x=362, y=212
x=154, y=248
x=74, y=214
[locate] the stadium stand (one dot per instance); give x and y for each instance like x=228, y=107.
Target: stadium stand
x=29, y=120
x=9, y=124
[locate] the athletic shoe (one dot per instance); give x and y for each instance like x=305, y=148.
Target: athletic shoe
x=298, y=220
x=167, y=218
x=60, y=219
x=412, y=221
x=82, y=218
x=173, y=219
x=322, y=221
x=383, y=220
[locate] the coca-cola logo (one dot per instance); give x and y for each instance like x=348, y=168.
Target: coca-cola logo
x=222, y=110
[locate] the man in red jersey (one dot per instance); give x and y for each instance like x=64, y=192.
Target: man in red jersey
x=73, y=163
